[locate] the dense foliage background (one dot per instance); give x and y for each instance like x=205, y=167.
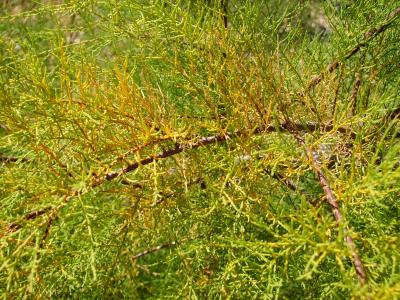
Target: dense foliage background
x=235, y=149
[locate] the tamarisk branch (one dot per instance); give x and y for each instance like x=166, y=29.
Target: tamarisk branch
x=203, y=141
x=313, y=157
x=180, y=147
x=368, y=36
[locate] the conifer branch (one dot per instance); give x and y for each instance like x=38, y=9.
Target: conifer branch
x=165, y=67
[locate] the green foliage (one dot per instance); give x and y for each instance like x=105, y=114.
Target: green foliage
x=149, y=150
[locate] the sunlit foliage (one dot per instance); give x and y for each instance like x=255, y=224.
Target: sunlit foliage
x=157, y=149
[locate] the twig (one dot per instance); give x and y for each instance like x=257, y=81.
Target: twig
x=354, y=93
x=368, y=36
x=14, y=226
x=331, y=198
x=167, y=153
x=278, y=176
x=292, y=186
x=224, y=5
x=46, y=232
x=337, y=93
x=203, y=141
x=152, y=250
x=138, y=148
x=395, y=114
x=12, y=159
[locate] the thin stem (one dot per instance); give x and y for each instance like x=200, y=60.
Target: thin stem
x=332, y=200
x=152, y=250
x=368, y=37
x=354, y=93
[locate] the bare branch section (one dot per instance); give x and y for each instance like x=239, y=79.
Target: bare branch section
x=224, y=5
x=368, y=36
